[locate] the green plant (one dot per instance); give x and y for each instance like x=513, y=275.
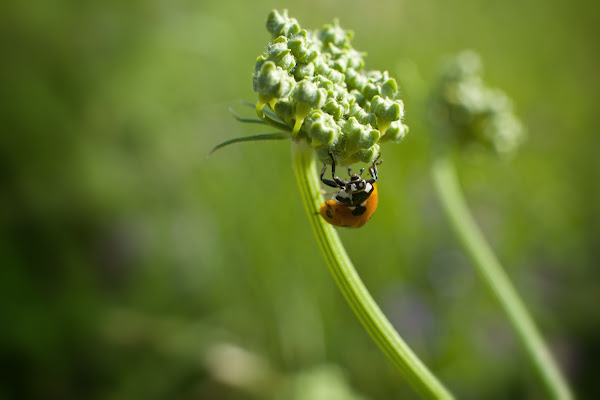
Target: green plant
x=313, y=88
x=466, y=112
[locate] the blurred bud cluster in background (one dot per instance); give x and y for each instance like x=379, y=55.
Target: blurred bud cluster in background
x=134, y=267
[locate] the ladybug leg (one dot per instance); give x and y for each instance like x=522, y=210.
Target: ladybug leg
x=340, y=182
x=373, y=170
x=328, y=182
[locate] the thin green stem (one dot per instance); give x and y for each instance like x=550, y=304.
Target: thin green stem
x=351, y=286
x=490, y=270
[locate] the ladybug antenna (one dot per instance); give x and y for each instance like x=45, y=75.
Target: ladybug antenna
x=359, y=173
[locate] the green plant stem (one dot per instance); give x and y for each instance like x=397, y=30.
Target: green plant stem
x=351, y=286
x=492, y=274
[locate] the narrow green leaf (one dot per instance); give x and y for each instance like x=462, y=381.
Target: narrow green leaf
x=250, y=120
x=254, y=138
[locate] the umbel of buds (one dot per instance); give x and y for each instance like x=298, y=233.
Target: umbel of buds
x=316, y=84
x=470, y=112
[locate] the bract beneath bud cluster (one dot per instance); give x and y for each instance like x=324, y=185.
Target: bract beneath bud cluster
x=315, y=82
x=471, y=112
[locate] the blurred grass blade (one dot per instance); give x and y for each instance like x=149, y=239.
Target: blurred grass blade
x=253, y=138
x=356, y=294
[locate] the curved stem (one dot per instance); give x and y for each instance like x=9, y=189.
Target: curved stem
x=492, y=274
x=351, y=286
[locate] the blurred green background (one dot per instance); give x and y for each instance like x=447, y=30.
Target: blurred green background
x=134, y=267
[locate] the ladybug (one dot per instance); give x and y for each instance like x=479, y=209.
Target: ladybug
x=355, y=202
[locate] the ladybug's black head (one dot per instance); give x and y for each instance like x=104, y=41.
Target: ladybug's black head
x=355, y=178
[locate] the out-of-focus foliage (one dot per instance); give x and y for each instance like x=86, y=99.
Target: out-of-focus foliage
x=464, y=110
x=129, y=259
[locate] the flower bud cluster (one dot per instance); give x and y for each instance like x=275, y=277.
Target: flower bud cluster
x=469, y=111
x=315, y=82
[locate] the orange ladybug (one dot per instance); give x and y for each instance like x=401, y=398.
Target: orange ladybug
x=355, y=202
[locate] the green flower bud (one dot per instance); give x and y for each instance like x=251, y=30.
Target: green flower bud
x=281, y=24
x=330, y=73
x=470, y=112
x=386, y=111
x=359, y=100
x=321, y=129
x=271, y=82
x=395, y=132
x=367, y=118
x=302, y=48
x=335, y=35
x=308, y=93
x=355, y=59
x=376, y=76
x=334, y=109
x=346, y=100
x=370, y=90
x=304, y=71
x=279, y=53
x=325, y=83
x=340, y=64
x=363, y=155
x=359, y=136
x=286, y=110
x=389, y=89
x=354, y=80
x=316, y=84
x=307, y=96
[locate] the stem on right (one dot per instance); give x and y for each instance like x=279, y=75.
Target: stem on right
x=491, y=272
